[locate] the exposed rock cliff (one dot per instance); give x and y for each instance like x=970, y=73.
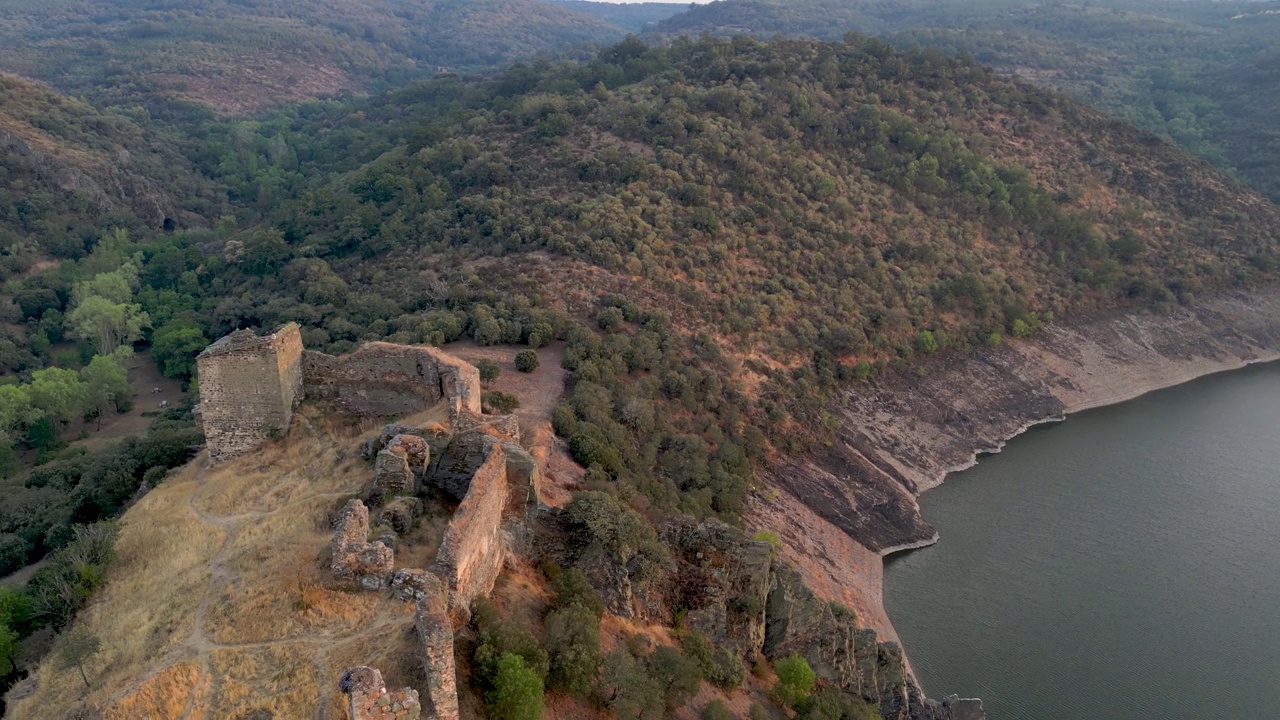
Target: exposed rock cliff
x=904, y=435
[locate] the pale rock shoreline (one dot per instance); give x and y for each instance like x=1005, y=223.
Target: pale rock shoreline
x=841, y=513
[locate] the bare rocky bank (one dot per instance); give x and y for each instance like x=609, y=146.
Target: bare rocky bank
x=903, y=435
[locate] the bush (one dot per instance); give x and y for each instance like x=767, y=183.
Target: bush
x=720, y=666
x=527, y=361
x=831, y=704
x=572, y=589
x=498, y=402
x=573, y=642
x=517, y=691
x=795, y=681
x=489, y=370
x=676, y=674
x=496, y=637
x=715, y=710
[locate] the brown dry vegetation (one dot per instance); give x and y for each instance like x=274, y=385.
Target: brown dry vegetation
x=216, y=604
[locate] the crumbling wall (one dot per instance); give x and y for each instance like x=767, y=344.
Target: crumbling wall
x=385, y=380
x=472, y=551
x=435, y=632
x=249, y=386
x=355, y=561
x=368, y=699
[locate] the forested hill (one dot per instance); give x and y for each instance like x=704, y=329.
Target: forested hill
x=242, y=56
x=761, y=181
x=1200, y=73
x=69, y=170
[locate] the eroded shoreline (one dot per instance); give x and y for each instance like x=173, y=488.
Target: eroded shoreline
x=905, y=437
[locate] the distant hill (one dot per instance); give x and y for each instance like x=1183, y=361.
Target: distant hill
x=632, y=17
x=1200, y=73
x=242, y=56
x=814, y=209
x=70, y=170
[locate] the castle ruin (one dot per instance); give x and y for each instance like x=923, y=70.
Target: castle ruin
x=250, y=385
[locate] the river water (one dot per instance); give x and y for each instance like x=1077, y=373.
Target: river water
x=1121, y=565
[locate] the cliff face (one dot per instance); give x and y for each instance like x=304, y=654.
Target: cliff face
x=903, y=436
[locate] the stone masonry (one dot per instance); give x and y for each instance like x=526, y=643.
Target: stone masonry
x=249, y=387
x=356, y=562
x=388, y=380
x=472, y=551
x=368, y=699
x=435, y=632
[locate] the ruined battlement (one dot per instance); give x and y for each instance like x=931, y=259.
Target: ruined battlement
x=250, y=384
x=249, y=387
x=387, y=380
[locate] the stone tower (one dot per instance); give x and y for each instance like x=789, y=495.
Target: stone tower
x=249, y=386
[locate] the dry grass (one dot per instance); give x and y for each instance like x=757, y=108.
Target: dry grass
x=217, y=600
x=165, y=695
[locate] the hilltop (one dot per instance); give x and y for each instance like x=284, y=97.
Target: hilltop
x=1191, y=71
x=242, y=57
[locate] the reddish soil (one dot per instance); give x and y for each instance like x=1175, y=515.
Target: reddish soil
x=538, y=393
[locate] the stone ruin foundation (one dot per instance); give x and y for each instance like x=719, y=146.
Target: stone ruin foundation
x=249, y=388
x=368, y=699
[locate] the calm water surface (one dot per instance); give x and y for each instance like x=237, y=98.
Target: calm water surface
x=1121, y=565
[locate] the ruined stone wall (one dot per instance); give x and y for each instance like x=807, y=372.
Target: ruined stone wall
x=249, y=386
x=354, y=561
x=368, y=698
x=385, y=380
x=472, y=552
x=435, y=632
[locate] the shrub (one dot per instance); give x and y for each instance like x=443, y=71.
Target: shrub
x=498, y=402
x=720, y=666
x=676, y=674
x=517, y=691
x=795, y=681
x=573, y=642
x=715, y=710
x=831, y=704
x=526, y=361
x=489, y=370
x=572, y=589
x=496, y=637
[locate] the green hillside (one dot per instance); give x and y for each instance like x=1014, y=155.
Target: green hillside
x=240, y=57
x=1196, y=72
x=71, y=170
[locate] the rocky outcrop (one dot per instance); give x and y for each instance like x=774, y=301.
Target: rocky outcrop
x=368, y=699
x=722, y=582
x=354, y=561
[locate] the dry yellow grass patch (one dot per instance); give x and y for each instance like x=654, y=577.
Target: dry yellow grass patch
x=165, y=695
x=281, y=679
x=218, y=603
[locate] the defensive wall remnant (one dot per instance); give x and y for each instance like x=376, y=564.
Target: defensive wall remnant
x=249, y=387
x=368, y=699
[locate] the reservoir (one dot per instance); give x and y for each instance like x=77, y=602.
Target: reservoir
x=1121, y=565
